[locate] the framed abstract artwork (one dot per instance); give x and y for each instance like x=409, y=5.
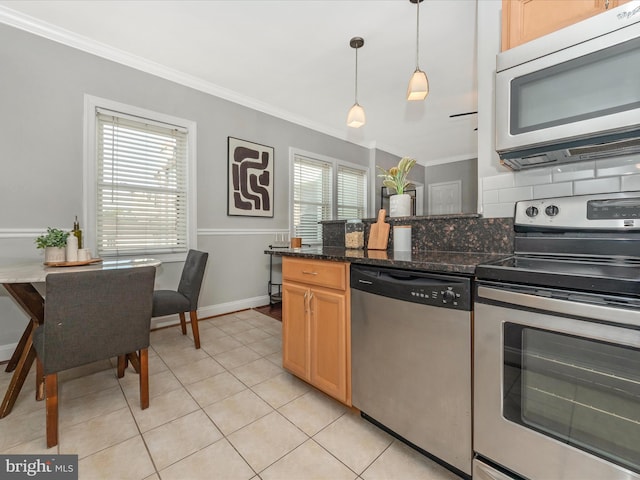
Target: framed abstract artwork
x=250, y=187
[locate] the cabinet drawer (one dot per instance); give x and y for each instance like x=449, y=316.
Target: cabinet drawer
x=315, y=272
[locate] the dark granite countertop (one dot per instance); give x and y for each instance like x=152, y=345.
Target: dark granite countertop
x=427, y=261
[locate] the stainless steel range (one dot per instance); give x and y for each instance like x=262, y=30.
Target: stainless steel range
x=557, y=344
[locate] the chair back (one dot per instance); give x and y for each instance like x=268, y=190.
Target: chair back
x=94, y=315
x=192, y=274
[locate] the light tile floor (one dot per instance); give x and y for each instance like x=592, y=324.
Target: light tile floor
x=226, y=411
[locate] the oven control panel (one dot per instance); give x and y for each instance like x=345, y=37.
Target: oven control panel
x=605, y=211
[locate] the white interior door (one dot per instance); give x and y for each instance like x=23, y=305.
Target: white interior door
x=445, y=198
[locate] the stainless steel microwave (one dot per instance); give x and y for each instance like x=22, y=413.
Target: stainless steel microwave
x=572, y=95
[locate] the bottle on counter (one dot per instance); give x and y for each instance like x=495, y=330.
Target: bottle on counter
x=77, y=232
x=354, y=234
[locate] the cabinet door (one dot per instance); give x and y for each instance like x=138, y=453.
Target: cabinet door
x=329, y=349
x=524, y=20
x=295, y=329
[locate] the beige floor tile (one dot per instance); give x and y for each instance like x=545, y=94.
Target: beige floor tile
x=250, y=336
x=247, y=314
x=159, y=383
x=354, y=441
x=37, y=446
x=310, y=462
x=201, y=369
x=77, y=387
x=179, y=438
x=237, y=357
x=400, y=462
x=280, y=389
x=256, y=372
x=26, y=401
x=217, y=344
x=19, y=428
x=125, y=460
x=163, y=408
x=214, y=389
x=237, y=411
x=217, y=461
x=170, y=335
x=313, y=411
x=265, y=441
x=233, y=328
x=266, y=346
x=182, y=356
x=80, y=409
x=274, y=329
x=155, y=476
x=98, y=433
x=275, y=358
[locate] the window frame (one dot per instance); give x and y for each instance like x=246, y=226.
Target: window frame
x=334, y=164
x=89, y=181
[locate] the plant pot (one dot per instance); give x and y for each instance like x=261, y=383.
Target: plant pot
x=400, y=205
x=54, y=254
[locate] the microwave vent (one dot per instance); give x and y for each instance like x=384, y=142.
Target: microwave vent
x=622, y=147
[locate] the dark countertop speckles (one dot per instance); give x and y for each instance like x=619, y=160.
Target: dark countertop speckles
x=428, y=260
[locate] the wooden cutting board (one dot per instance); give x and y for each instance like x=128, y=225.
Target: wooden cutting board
x=379, y=233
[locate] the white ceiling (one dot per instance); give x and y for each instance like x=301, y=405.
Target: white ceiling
x=292, y=58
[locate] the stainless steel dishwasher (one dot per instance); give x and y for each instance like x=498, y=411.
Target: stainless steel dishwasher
x=411, y=358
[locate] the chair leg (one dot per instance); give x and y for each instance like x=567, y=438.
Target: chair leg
x=183, y=323
x=193, y=315
x=144, y=378
x=122, y=365
x=51, y=403
x=40, y=393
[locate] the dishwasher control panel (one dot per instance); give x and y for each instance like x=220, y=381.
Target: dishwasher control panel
x=447, y=291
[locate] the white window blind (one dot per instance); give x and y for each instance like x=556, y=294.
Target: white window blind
x=141, y=186
x=352, y=192
x=312, y=197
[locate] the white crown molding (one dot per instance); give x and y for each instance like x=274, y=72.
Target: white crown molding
x=52, y=32
x=457, y=158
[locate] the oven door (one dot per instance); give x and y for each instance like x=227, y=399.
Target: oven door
x=556, y=395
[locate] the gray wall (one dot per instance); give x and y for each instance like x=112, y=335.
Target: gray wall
x=466, y=171
x=42, y=88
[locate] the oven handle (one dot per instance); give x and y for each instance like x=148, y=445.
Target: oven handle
x=563, y=307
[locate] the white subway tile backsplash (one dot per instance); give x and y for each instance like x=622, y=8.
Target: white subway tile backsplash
x=564, y=189
x=574, y=171
x=504, y=180
x=618, y=166
x=490, y=196
x=498, y=210
x=630, y=183
x=515, y=194
x=538, y=176
x=599, y=185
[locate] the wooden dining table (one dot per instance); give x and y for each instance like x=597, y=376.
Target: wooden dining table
x=20, y=281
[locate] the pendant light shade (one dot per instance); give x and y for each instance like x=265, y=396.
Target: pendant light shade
x=418, y=84
x=355, y=117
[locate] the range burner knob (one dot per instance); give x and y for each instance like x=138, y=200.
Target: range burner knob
x=531, y=211
x=551, y=210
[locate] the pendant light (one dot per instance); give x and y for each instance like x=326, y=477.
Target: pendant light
x=356, y=118
x=419, y=84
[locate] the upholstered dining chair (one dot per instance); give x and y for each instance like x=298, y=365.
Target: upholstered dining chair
x=91, y=316
x=185, y=299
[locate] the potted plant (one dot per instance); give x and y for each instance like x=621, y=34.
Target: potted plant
x=53, y=243
x=395, y=179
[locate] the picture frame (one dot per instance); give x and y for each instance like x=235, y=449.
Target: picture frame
x=250, y=178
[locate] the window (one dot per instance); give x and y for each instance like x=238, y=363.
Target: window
x=142, y=200
x=325, y=189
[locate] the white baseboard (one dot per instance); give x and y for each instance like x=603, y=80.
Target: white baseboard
x=213, y=310
x=210, y=311
x=6, y=351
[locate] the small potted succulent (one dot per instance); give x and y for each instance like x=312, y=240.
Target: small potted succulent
x=395, y=179
x=53, y=242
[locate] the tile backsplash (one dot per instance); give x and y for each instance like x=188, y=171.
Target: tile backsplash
x=500, y=192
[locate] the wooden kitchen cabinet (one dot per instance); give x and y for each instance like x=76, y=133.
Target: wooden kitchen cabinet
x=524, y=20
x=316, y=326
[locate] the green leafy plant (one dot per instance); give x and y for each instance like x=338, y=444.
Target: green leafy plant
x=53, y=238
x=396, y=177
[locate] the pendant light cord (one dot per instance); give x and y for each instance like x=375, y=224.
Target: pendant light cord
x=356, y=75
x=418, y=35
